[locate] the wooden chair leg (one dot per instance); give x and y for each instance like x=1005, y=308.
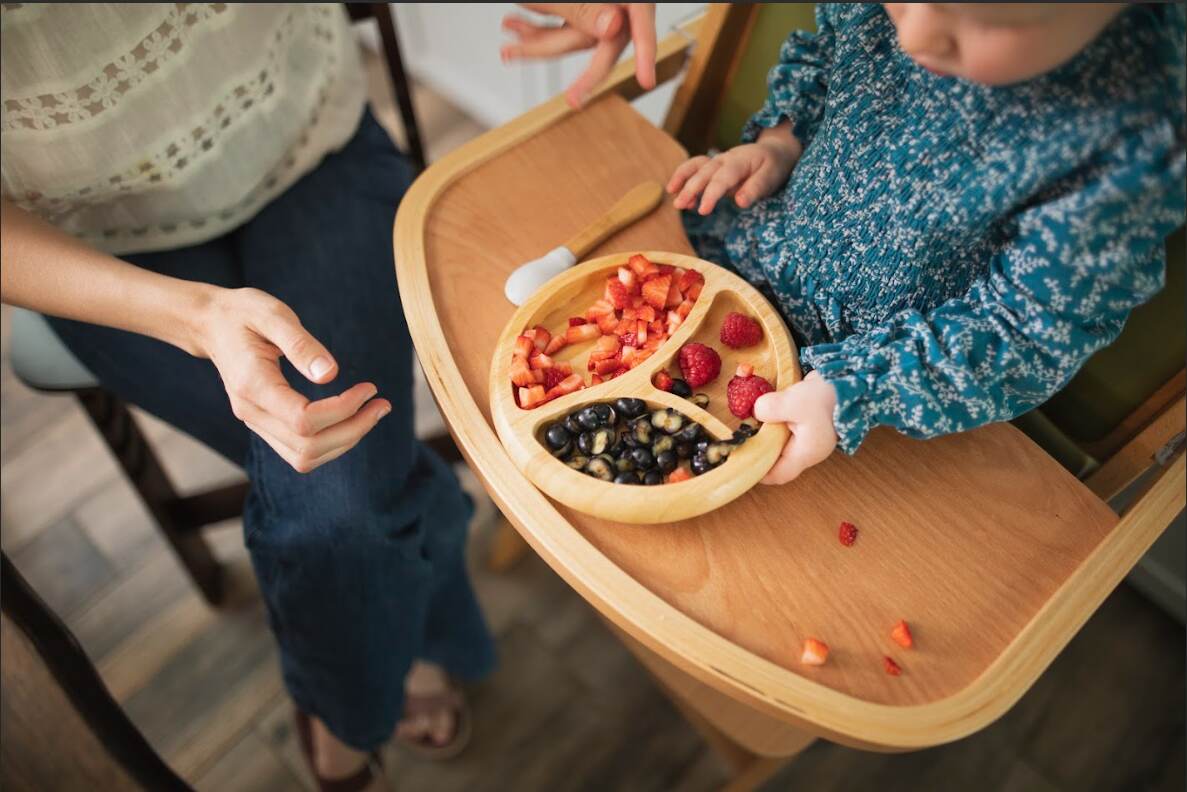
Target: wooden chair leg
x=122, y=435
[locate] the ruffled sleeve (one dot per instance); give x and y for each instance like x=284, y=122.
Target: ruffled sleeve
x=1075, y=263
x=798, y=83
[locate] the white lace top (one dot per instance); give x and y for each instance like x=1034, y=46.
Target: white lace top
x=150, y=126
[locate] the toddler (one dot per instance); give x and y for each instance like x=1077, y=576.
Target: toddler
x=952, y=205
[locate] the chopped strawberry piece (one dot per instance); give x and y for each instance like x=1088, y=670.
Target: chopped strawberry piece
x=815, y=652
x=580, y=333
x=540, y=361
x=576, y=320
x=606, y=347
x=646, y=313
x=524, y=346
x=674, y=321
x=552, y=378
x=617, y=294
x=642, y=267
x=628, y=338
x=538, y=374
x=684, y=309
x=557, y=343
x=678, y=475
x=674, y=295
x=627, y=354
x=624, y=326
x=891, y=667
x=607, y=324
x=630, y=314
x=607, y=366
x=534, y=397
x=665, y=269
x=640, y=356
x=521, y=397
x=847, y=533
x=542, y=337
x=694, y=291
x=637, y=301
x=564, y=367
x=596, y=380
x=569, y=384
x=598, y=309
x=662, y=380
x=744, y=370
x=628, y=278
x=641, y=331
x=520, y=373
x=901, y=634
x=655, y=291
x=689, y=279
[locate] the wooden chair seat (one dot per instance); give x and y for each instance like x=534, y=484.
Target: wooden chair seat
x=992, y=551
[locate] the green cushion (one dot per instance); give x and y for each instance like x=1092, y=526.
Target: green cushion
x=748, y=89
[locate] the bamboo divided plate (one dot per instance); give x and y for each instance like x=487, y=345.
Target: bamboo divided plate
x=569, y=294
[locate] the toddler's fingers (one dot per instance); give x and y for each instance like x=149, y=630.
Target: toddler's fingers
x=727, y=177
x=788, y=466
x=683, y=171
x=696, y=183
x=761, y=183
x=775, y=406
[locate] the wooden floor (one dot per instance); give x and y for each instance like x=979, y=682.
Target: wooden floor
x=568, y=707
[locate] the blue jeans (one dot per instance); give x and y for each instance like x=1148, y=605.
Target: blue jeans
x=361, y=561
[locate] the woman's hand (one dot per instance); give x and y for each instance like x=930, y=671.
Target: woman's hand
x=244, y=332
x=606, y=28
x=807, y=409
x=749, y=172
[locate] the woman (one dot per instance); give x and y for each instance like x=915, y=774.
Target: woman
x=198, y=197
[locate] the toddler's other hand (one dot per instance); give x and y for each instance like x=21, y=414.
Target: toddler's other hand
x=807, y=409
x=749, y=172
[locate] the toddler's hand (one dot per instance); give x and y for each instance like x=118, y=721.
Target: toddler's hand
x=807, y=409
x=749, y=172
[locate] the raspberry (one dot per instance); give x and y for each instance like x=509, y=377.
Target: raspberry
x=699, y=364
x=743, y=391
x=848, y=534
x=739, y=330
x=891, y=667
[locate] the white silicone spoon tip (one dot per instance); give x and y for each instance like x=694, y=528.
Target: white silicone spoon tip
x=528, y=278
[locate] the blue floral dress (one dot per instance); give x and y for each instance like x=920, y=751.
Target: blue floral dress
x=948, y=253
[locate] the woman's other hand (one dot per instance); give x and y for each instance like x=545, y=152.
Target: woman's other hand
x=606, y=28
x=245, y=332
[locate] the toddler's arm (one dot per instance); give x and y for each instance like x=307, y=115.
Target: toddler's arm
x=1060, y=290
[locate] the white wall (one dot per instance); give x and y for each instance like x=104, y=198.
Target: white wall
x=455, y=49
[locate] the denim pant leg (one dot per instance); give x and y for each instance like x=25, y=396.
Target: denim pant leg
x=361, y=561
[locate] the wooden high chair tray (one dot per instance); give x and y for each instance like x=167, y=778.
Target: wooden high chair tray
x=993, y=553
x=568, y=295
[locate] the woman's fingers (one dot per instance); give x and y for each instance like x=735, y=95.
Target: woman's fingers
x=605, y=55
x=642, y=21
x=547, y=43
x=305, y=453
x=728, y=176
x=683, y=171
x=696, y=183
x=280, y=325
x=600, y=20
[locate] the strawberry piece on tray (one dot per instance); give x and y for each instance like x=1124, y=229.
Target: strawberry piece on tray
x=815, y=652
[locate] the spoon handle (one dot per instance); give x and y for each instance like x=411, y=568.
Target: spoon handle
x=635, y=204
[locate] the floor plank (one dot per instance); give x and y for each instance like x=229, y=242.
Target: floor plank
x=64, y=567
x=249, y=766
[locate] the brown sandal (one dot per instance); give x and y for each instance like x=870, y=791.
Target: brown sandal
x=452, y=699
x=352, y=783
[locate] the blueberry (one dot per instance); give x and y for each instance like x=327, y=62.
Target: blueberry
x=680, y=388
x=627, y=477
x=717, y=452
x=589, y=418
x=653, y=477
x=605, y=413
x=689, y=434
x=662, y=443
x=749, y=427
x=641, y=429
x=624, y=463
x=700, y=464
x=642, y=458
x=601, y=440
x=571, y=423
x=630, y=408
x=557, y=436
x=667, y=420
x=563, y=451
x=666, y=461
x=685, y=450
x=600, y=467
x=577, y=461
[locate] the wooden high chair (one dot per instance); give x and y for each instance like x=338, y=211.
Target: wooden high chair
x=993, y=552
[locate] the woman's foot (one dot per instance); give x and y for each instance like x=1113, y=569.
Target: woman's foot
x=335, y=764
x=436, y=720
x=437, y=725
